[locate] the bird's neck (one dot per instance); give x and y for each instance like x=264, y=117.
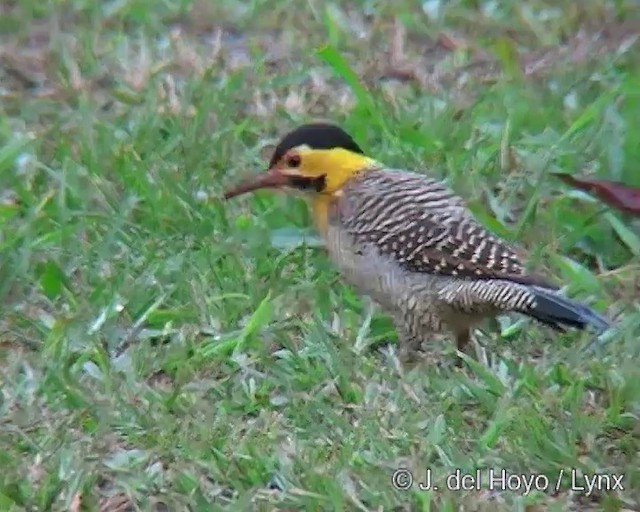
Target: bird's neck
x=350, y=168
x=320, y=206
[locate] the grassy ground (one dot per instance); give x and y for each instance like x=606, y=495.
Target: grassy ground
x=163, y=351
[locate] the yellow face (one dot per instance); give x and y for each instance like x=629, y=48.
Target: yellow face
x=322, y=171
x=302, y=166
x=316, y=158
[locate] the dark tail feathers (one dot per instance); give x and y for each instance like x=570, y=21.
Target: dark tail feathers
x=556, y=311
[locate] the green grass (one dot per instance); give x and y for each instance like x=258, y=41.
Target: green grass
x=165, y=351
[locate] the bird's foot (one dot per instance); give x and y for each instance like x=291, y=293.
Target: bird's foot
x=402, y=358
x=409, y=353
x=414, y=354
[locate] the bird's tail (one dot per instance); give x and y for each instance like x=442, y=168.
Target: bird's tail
x=557, y=311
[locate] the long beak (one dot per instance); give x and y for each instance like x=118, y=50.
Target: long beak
x=273, y=178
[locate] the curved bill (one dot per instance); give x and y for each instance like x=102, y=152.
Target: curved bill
x=270, y=179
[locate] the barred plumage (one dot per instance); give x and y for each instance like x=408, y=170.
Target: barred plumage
x=426, y=227
x=409, y=242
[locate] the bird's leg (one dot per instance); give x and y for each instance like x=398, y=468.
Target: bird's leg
x=412, y=350
x=463, y=344
x=406, y=339
x=462, y=340
x=408, y=344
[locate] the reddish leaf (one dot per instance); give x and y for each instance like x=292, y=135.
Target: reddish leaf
x=621, y=197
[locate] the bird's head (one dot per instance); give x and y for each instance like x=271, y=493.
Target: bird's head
x=315, y=158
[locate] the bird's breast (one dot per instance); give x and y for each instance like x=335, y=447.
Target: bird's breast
x=370, y=272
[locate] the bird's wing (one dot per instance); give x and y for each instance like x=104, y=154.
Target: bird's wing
x=426, y=228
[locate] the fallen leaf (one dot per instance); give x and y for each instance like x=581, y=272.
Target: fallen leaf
x=76, y=502
x=118, y=503
x=622, y=197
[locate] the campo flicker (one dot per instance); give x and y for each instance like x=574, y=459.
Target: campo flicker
x=409, y=243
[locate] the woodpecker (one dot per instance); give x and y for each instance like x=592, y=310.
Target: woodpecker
x=409, y=243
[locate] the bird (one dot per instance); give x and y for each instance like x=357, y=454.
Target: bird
x=408, y=242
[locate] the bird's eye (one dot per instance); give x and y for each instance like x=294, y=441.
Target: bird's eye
x=293, y=161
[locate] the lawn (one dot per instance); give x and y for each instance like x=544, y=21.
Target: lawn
x=162, y=350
